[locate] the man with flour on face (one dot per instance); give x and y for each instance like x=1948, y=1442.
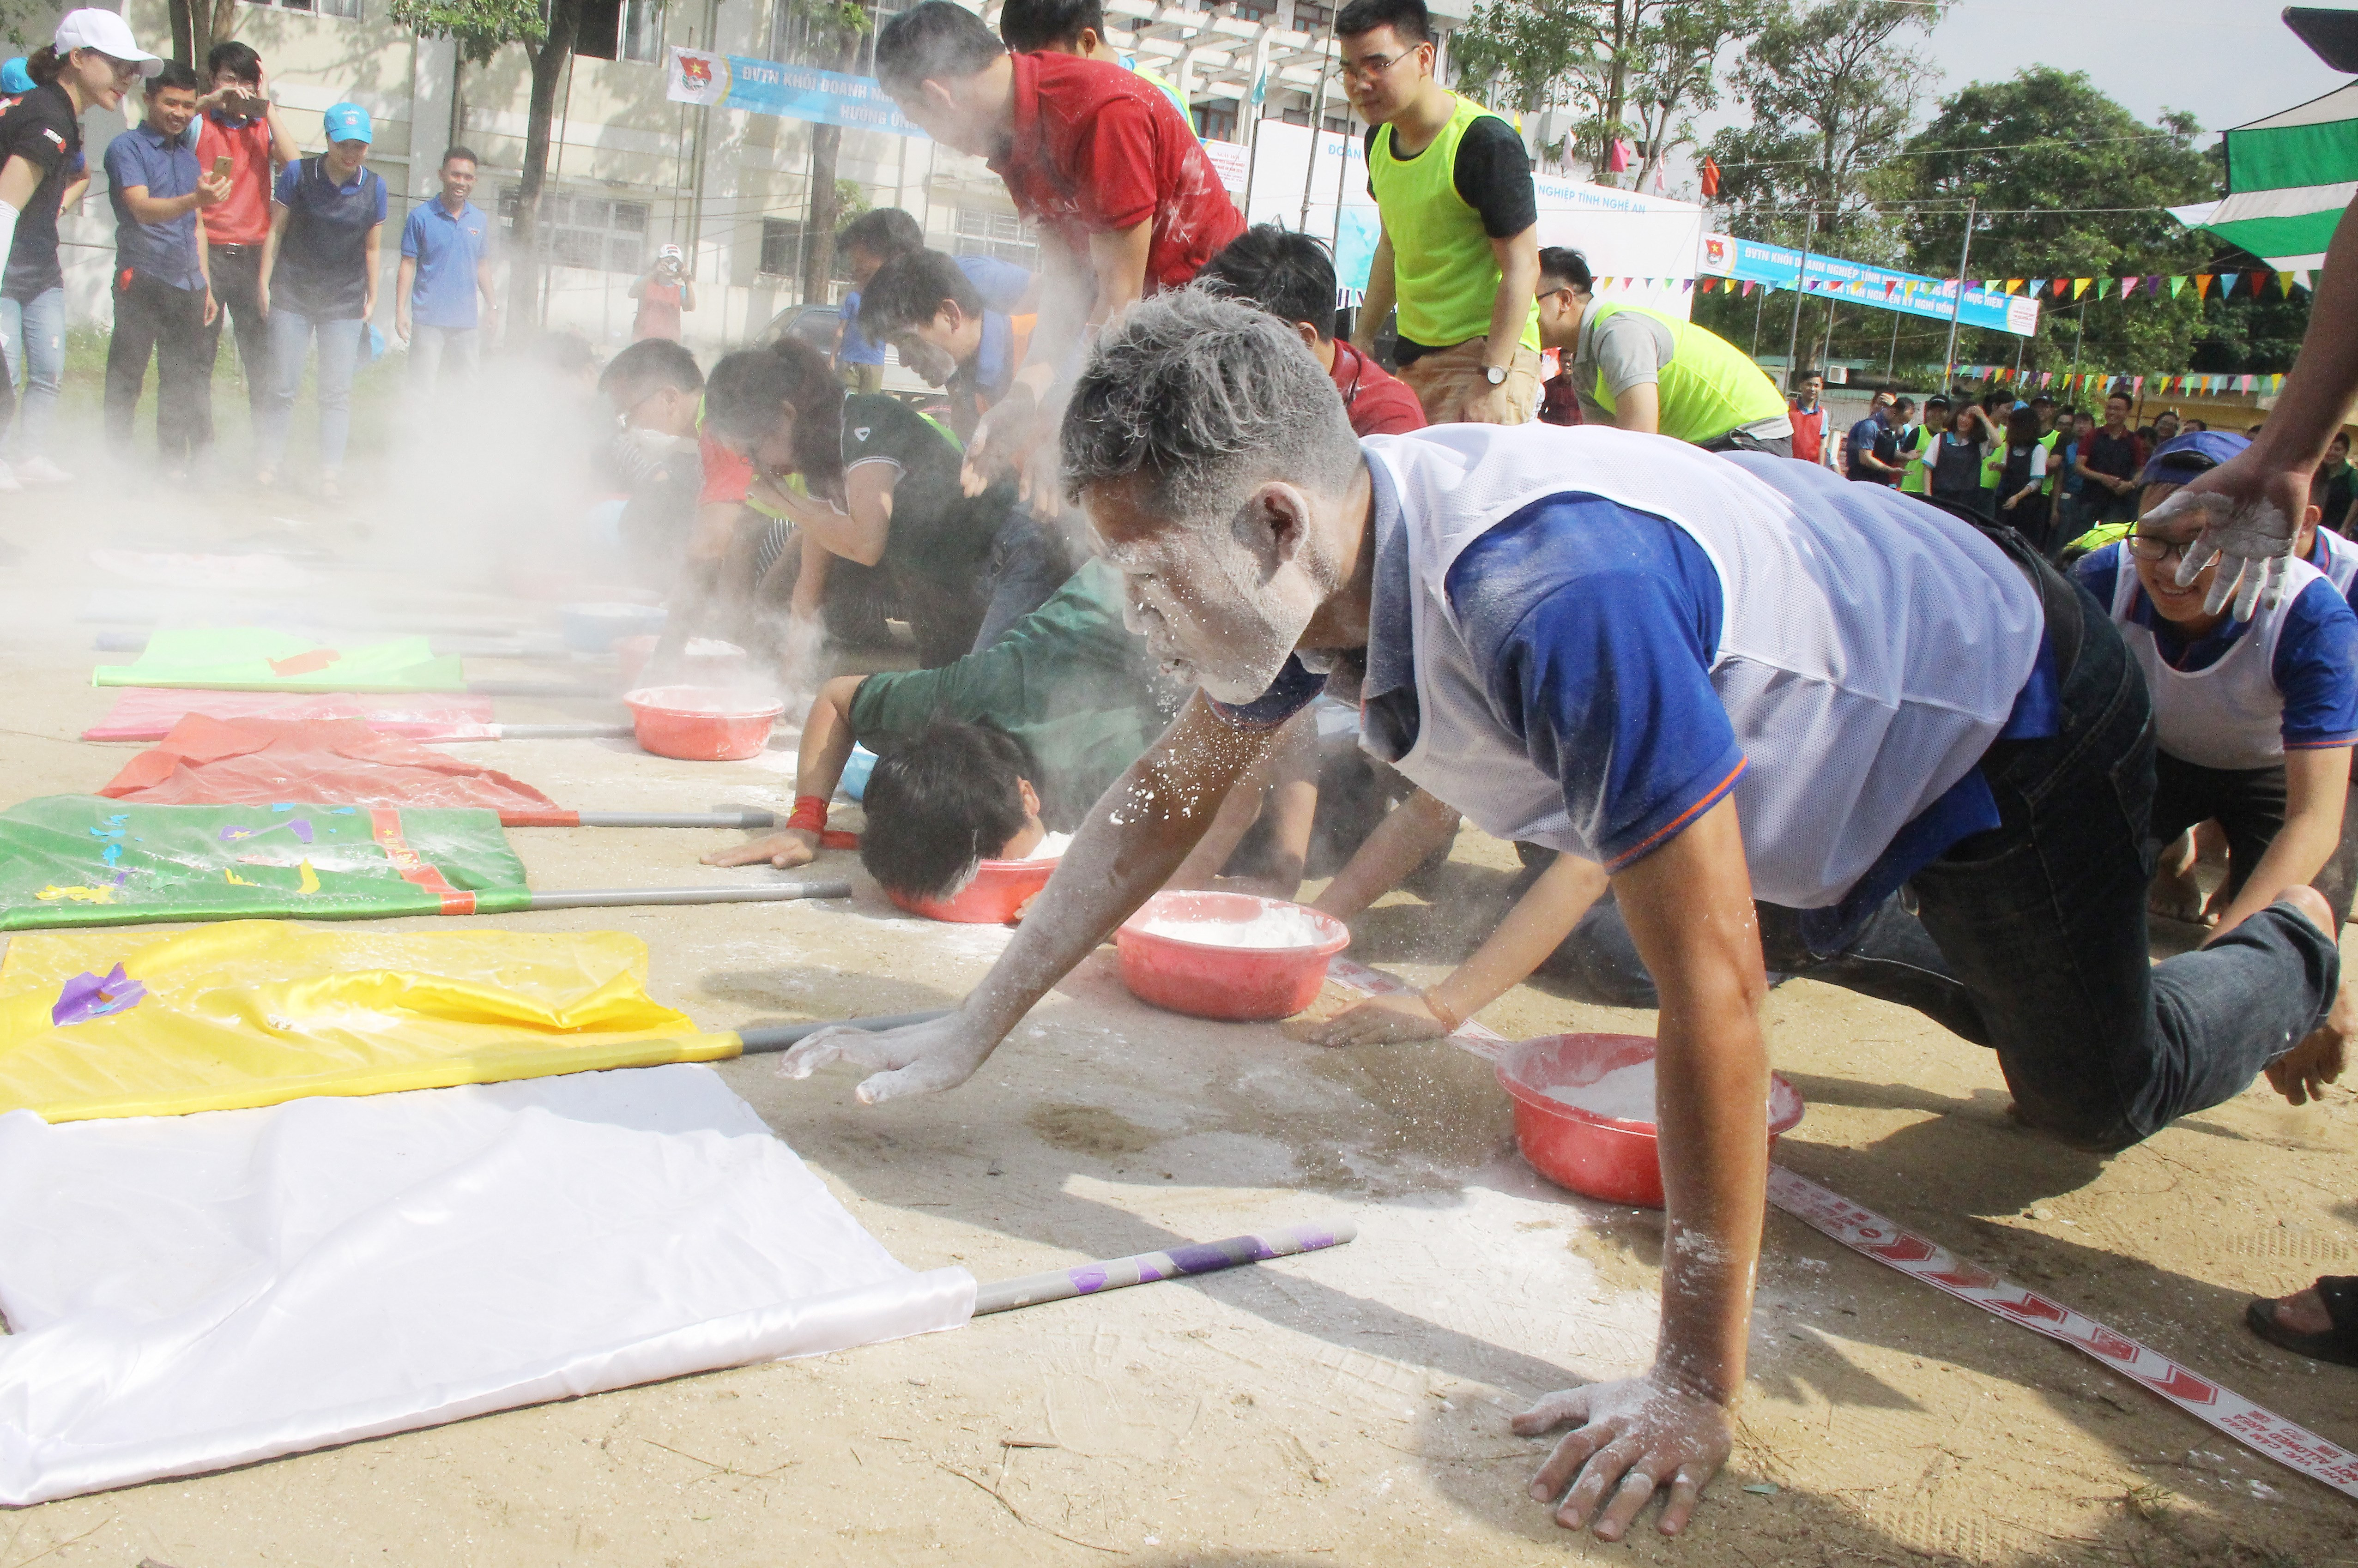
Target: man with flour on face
x=1724, y=679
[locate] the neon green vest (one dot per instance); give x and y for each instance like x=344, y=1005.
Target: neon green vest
x=1708, y=388
x=1913, y=480
x=1444, y=271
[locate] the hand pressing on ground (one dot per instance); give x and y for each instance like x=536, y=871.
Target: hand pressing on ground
x=1387, y=1019
x=1637, y=1435
x=923, y=1058
x=794, y=847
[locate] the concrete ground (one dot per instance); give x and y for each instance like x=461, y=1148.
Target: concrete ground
x=1346, y=1407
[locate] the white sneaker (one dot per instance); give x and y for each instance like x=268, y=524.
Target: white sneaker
x=9, y=483
x=40, y=470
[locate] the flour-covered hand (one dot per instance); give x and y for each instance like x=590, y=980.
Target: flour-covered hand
x=923, y=1058
x=2251, y=513
x=1636, y=1436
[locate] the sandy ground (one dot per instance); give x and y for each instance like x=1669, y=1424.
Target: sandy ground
x=1340, y=1408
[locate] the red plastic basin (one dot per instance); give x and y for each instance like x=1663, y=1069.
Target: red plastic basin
x=702, y=724
x=997, y=894
x=1208, y=980
x=1599, y=1156
x=709, y=660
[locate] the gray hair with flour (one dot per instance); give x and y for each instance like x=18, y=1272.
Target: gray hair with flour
x=1205, y=398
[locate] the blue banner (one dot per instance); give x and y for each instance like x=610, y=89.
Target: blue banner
x=790, y=92
x=1854, y=282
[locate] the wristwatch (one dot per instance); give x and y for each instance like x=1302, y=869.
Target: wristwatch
x=1494, y=375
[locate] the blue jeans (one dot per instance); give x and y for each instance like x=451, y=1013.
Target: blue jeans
x=34, y=332
x=290, y=342
x=2038, y=927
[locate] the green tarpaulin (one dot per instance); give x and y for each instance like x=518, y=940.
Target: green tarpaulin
x=73, y=859
x=2289, y=177
x=250, y=658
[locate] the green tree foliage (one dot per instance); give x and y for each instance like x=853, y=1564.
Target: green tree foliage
x=1832, y=89
x=1642, y=69
x=2069, y=184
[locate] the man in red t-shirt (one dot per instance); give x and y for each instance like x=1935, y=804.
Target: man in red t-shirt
x=1125, y=199
x=1291, y=275
x=236, y=121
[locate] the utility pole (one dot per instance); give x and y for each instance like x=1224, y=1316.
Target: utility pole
x=1800, y=278
x=1891, y=364
x=1957, y=302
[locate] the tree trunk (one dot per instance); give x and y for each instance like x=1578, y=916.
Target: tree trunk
x=549, y=62
x=216, y=21
x=182, y=51
x=457, y=98
x=826, y=203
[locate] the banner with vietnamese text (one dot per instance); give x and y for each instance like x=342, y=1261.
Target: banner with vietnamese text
x=790, y=92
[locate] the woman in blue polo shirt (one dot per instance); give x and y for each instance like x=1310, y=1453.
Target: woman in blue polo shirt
x=318, y=274
x=2254, y=721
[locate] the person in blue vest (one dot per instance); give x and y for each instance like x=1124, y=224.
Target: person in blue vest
x=1720, y=678
x=319, y=278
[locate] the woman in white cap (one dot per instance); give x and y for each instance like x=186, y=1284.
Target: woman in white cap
x=93, y=61
x=318, y=274
x=662, y=295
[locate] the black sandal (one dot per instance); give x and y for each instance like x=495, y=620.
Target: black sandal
x=2338, y=1344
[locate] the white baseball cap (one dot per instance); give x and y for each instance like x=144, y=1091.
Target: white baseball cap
x=109, y=34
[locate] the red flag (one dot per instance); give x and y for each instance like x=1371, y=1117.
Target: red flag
x=1710, y=176
x=1616, y=156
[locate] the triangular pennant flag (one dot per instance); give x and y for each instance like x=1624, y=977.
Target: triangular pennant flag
x=2285, y=281
x=2080, y=285
x=2177, y=286
x=2103, y=287
x=1747, y=285
x=2227, y=281
x=2202, y=285
x=2128, y=285
x=2062, y=286
x=2014, y=286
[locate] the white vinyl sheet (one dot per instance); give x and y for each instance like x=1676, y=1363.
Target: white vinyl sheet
x=192, y=1292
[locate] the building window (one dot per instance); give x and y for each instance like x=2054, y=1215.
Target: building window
x=1001, y=234
x=1217, y=122
x=642, y=30
x=592, y=233
x=782, y=252
x=1294, y=116
x=349, y=10
x=1339, y=124
x=1253, y=10
x=787, y=35
x=1312, y=20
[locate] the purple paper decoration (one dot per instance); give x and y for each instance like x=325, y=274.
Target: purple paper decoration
x=87, y=996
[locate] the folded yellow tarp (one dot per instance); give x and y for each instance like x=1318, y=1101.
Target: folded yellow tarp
x=255, y=1012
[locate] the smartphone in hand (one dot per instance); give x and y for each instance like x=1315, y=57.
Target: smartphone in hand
x=222, y=166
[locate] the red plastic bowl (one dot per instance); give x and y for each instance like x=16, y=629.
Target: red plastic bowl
x=997, y=894
x=701, y=724
x=1206, y=980
x=711, y=661
x=1600, y=1156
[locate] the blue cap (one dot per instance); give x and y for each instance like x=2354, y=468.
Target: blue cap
x=2180, y=458
x=14, y=80
x=349, y=123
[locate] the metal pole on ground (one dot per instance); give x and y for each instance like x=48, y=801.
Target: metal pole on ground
x=1957, y=302
x=1147, y=1268
x=627, y=898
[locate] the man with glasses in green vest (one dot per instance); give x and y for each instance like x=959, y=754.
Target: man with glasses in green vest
x=1641, y=370
x=1459, y=251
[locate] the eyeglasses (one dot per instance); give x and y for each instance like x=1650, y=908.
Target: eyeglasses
x=1367, y=68
x=125, y=70
x=627, y=416
x=2154, y=547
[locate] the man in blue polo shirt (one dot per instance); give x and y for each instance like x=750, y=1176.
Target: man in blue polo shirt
x=1759, y=697
x=444, y=292
x=163, y=303
x=1872, y=453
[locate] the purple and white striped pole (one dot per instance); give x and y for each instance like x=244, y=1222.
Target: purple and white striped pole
x=1146, y=1268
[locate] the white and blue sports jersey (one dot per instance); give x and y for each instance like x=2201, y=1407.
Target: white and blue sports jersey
x=2337, y=558
x=2242, y=695
x=1585, y=638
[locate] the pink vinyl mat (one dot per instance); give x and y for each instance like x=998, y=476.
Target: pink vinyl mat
x=148, y=713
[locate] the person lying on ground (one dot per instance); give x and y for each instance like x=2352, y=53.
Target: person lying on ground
x=881, y=488
x=1641, y=370
x=2254, y=721
x=1074, y=688
x=926, y=297
x=1708, y=675
x=942, y=801
x=1110, y=169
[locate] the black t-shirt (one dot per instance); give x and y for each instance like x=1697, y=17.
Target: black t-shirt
x=41, y=130
x=941, y=537
x=2115, y=455
x=1493, y=175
